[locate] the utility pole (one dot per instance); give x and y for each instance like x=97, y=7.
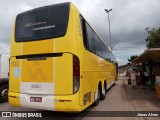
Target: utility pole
x=110, y=37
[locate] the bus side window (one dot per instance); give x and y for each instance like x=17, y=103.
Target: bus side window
x=87, y=33
x=89, y=37
x=83, y=28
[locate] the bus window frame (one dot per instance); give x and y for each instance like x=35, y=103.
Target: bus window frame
x=32, y=39
x=83, y=23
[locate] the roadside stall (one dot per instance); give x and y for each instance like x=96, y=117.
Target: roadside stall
x=157, y=86
x=151, y=58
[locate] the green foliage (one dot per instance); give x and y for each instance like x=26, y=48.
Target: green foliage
x=153, y=38
x=133, y=57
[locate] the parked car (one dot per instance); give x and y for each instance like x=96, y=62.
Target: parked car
x=4, y=89
x=4, y=77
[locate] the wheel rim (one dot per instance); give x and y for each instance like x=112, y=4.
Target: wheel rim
x=4, y=93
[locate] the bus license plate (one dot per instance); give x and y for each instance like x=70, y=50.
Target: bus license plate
x=35, y=99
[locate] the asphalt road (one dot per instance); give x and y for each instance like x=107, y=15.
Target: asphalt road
x=117, y=99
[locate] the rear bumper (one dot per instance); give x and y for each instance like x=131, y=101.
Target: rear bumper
x=67, y=103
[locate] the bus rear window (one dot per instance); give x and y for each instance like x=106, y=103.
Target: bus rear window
x=42, y=23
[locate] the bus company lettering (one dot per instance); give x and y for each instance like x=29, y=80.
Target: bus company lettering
x=45, y=27
x=34, y=24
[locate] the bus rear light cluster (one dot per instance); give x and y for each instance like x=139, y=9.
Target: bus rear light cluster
x=76, y=74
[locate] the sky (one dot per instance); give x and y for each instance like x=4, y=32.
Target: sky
x=129, y=19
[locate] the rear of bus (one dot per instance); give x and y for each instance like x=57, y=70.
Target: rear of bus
x=45, y=59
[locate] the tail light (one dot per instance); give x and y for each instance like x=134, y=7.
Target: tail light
x=76, y=74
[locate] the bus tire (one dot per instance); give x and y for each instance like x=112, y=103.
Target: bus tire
x=4, y=93
x=103, y=95
x=98, y=98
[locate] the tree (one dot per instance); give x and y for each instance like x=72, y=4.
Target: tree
x=153, y=38
x=133, y=57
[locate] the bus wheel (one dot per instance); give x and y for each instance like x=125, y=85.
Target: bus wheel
x=98, y=98
x=104, y=91
x=4, y=93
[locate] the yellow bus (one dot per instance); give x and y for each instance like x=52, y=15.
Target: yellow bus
x=58, y=62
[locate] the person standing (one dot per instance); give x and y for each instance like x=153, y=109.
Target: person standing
x=142, y=77
x=146, y=78
x=137, y=77
x=133, y=79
